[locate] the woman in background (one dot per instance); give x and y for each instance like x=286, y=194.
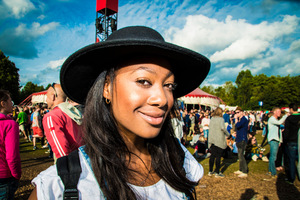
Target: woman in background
x=10, y=162
x=217, y=142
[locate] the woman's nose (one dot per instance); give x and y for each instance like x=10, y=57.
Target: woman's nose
x=159, y=96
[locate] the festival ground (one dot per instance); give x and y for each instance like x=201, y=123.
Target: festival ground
x=257, y=186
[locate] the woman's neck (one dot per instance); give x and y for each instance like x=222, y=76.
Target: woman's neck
x=3, y=112
x=141, y=172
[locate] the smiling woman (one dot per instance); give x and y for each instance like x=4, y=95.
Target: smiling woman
x=128, y=85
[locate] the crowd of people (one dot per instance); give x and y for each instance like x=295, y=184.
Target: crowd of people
x=55, y=124
x=214, y=134
x=132, y=140
x=218, y=133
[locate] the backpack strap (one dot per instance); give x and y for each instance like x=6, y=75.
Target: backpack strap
x=69, y=170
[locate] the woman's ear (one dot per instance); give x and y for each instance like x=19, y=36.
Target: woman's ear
x=106, y=89
x=2, y=104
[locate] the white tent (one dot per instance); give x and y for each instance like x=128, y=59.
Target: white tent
x=200, y=97
x=38, y=97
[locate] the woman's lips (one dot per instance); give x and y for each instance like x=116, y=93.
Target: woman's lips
x=153, y=118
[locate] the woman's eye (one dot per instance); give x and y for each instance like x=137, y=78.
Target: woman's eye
x=171, y=86
x=144, y=82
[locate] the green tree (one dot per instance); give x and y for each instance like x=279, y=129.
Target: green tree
x=228, y=94
x=209, y=89
x=9, y=77
x=244, y=83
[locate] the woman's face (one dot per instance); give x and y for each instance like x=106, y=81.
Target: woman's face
x=7, y=106
x=141, y=97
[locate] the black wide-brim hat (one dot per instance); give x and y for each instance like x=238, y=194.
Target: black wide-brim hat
x=82, y=68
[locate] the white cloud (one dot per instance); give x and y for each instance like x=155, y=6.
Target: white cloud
x=56, y=64
x=292, y=67
x=295, y=46
x=41, y=17
x=230, y=39
x=19, y=7
x=21, y=41
x=35, y=30
x=240, y=49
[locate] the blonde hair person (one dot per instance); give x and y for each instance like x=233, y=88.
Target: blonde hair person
x=217, y=142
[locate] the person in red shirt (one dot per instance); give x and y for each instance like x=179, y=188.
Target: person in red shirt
x=62, y=123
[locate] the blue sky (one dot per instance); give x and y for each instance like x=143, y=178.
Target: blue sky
x=263, y=36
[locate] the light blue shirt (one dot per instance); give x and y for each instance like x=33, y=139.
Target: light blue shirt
x=274, y=128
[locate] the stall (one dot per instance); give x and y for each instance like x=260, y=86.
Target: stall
x=201, y=98
x=35, y=98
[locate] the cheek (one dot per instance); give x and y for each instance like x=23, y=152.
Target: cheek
x=126, y=98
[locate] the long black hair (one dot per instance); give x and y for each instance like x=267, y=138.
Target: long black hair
x=108, y=151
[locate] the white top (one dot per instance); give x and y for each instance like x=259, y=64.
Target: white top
x=50, y=186
x=274, y=129
x=205, y=121
x=252, y=117
x=177, y=127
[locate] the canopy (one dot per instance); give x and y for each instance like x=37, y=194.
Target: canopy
x=202, y=98
x=34, y=98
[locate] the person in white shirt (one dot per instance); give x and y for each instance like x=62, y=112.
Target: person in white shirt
x=129, y=85
x=205, y=124
x=274, y=138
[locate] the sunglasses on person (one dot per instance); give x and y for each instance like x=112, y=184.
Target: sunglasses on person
x=52, y=85
x=237, y=112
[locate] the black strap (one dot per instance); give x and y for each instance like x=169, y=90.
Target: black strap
x=69, y=170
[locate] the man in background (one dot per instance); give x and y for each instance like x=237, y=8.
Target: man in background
x=22, y=121
x=274, y=138
x=241, y=141
x=62, y=123
x=290, y=138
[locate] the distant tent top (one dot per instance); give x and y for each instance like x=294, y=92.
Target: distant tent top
x=200, y=97
x=200, y=93
x=34, y=98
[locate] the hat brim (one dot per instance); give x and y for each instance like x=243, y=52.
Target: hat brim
x=82, y=68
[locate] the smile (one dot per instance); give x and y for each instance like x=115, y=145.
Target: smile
x=153, y=119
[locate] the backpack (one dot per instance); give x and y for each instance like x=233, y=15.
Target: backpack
x=69, y=170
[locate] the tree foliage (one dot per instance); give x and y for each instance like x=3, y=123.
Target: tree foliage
x=248, y=90
x=9, y=77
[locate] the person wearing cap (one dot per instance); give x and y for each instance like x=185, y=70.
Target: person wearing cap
x=128, y=85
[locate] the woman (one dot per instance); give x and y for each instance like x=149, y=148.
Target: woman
x=205, y=123
x=127, y=84
x=217, y=142
x=10, y=162
x=177, y=124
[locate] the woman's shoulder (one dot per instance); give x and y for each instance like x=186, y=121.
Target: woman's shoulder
x=8, y=122
x=194, y=170
x=50, y=185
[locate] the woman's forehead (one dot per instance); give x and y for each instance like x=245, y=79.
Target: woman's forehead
x=152, y=65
